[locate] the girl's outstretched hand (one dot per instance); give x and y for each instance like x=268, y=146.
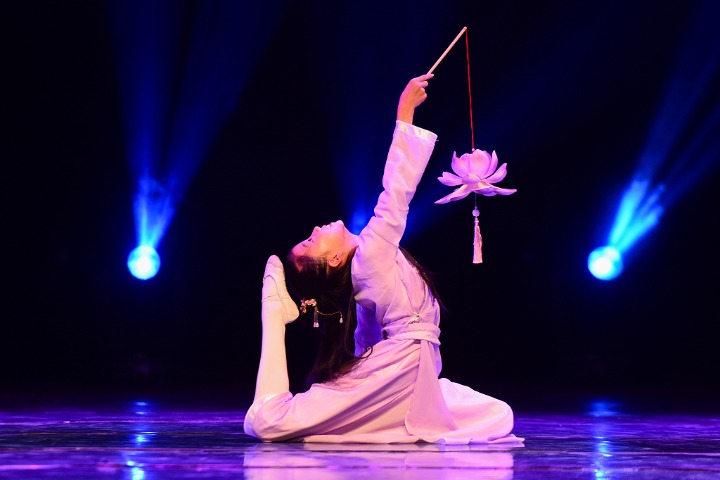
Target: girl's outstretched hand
x=413, y=95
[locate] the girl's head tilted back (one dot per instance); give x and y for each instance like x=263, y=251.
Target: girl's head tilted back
x=319, y=268
x=332, y=242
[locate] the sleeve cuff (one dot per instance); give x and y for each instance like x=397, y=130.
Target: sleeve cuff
x=426, y=135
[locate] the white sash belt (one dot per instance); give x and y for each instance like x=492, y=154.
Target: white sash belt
x=413, y=331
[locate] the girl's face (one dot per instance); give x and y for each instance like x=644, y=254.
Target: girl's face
x=329, y=241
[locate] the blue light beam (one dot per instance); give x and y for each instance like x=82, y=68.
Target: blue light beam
x=638, y=213
x=643, y=201
x=696, y=66
x=173, y=114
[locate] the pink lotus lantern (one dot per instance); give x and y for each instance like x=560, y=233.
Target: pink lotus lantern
x=475, y=172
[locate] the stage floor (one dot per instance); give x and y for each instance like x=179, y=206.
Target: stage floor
x=154, y=440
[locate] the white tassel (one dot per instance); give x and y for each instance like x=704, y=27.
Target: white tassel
x=477, y=242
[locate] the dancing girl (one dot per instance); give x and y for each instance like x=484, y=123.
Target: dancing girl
x=376, y=375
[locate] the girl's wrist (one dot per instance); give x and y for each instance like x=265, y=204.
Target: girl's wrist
x=405, y=114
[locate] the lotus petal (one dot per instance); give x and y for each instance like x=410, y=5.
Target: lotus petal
x=487, y=190
x=492, y=190
x=459, y=193
x=471, y=179
x=493, y=164
x=450, y=180
x=498, y=175
x=459, y=165
x=504, y=191
x=479, y=161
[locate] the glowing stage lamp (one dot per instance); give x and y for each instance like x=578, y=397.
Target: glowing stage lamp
x=605, y=263
x=143, y=262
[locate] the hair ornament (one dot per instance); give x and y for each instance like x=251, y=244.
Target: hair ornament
x=311, y=302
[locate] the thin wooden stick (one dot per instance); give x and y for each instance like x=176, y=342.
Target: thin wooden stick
x=448, y=49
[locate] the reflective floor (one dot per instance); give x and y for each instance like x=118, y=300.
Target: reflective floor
x=154, y=440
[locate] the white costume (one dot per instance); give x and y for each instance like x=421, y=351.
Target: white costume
x=394, y=395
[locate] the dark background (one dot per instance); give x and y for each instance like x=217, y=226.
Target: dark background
x=566, y=92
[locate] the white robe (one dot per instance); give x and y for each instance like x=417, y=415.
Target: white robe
x=394, y=395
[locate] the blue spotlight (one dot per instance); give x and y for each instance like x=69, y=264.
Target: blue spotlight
x=169, y=136
x=645, y=199
x=143, y=262
x=605, y=263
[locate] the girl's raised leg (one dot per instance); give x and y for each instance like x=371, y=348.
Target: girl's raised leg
x=278, y=309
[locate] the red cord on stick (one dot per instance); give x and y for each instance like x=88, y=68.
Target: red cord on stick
x=467, y=57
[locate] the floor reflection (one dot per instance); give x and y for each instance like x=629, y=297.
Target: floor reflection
x=149, y=441
x=327, y=461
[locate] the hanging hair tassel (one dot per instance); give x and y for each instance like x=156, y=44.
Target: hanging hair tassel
x=477, y=241
x=316, y=323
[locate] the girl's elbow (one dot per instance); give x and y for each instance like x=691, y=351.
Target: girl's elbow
x=265, y=432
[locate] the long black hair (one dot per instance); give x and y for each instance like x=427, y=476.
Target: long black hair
x=311, y=278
